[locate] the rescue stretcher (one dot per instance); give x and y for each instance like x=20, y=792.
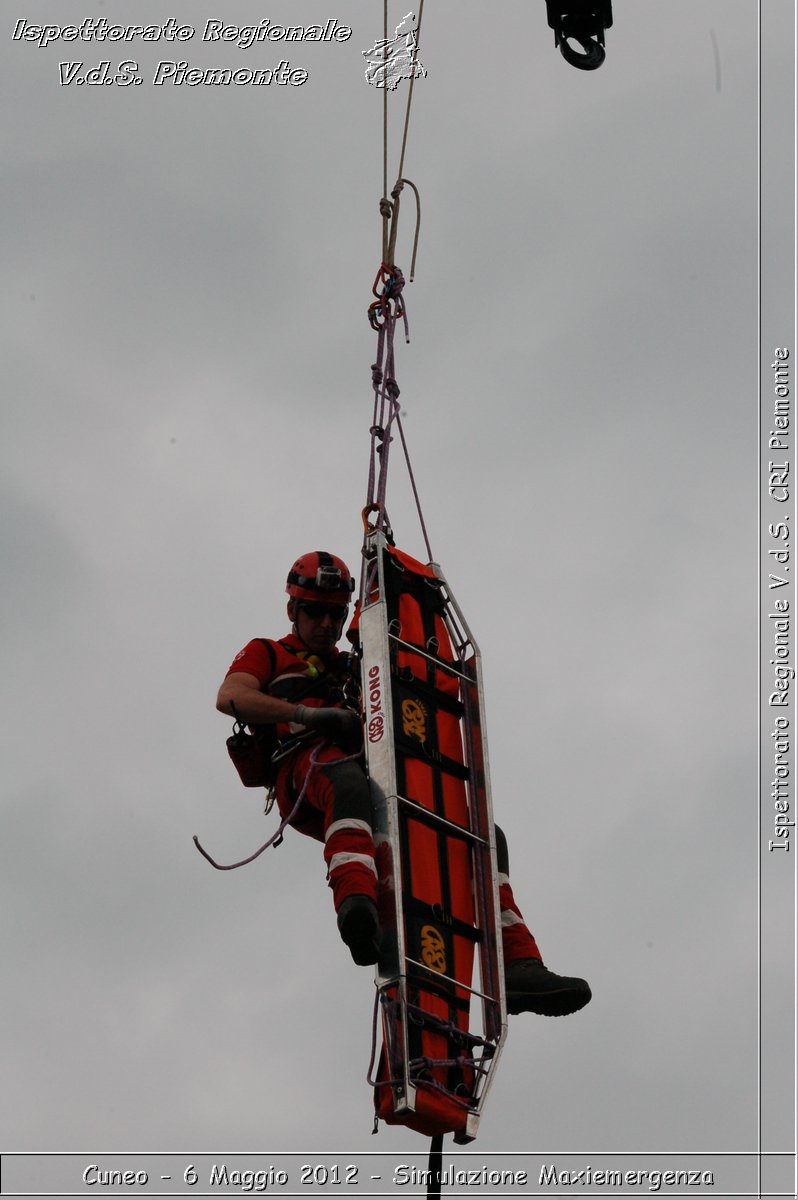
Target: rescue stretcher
x=440, y=981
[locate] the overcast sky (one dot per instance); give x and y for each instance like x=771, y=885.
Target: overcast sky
x=187, y=401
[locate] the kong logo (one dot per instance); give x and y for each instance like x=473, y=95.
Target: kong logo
x=376, y=722
x=433, y=950
x=414, y=720
x=376, y=728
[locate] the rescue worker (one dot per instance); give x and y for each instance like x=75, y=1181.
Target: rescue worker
x=297, y=686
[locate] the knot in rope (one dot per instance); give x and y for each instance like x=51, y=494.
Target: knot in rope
x=394, y=285
x=386, y=208
x=392, y=388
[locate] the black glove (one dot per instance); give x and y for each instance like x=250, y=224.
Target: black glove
x=342, y=724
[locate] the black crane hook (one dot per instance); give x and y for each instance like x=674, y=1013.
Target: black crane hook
x=584, y=22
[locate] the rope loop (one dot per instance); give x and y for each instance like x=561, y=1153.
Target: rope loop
x=367, y=511
x=277, y=837
x=376, y=320
x=390, y=234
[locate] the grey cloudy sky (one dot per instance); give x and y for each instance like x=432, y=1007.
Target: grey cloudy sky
x=187, y=404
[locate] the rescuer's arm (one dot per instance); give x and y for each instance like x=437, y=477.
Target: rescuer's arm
x=252, y=706
x=242, y=692
x=332, y=722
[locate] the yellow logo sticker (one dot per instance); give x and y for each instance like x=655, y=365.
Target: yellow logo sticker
x=414, y=720
x=433, y=950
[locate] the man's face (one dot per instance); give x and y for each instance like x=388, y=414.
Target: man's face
x=319, y=625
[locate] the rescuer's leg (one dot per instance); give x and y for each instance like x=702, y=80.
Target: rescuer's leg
x=349, y=854
x=337, y=811
x=517, y=942
x=529, y=985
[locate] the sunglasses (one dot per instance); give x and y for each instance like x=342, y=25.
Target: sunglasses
x=317, y=612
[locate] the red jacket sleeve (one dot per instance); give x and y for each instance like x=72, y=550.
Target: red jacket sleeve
x=255, y=659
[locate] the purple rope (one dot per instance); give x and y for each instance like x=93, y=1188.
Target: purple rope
x=432, y=1084
x=286, y=821
x=387, y=411
x=424, y=1063
x=376, y=423
x=390, y=391
x=438, y=1087
x=413, y=486
x=448, y=1027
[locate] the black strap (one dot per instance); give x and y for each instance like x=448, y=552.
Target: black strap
x=435, y=1167
x=270, y=648
x=435, y=913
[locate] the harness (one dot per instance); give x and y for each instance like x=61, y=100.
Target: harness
x=257, y=750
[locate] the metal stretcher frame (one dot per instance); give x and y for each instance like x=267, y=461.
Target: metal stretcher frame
x=444, y=1021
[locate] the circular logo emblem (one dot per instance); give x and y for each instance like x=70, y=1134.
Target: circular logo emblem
x=376, y=727
x=433, y=949
x=414, y=720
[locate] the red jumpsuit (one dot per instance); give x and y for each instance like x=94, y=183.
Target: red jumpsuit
x=336, y=806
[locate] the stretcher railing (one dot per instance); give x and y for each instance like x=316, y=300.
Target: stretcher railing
x=440, y=978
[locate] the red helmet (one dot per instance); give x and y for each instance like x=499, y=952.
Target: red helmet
x=320, y=576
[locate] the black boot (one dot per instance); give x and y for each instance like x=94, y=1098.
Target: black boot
x=531, y=987
x=360, y=929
